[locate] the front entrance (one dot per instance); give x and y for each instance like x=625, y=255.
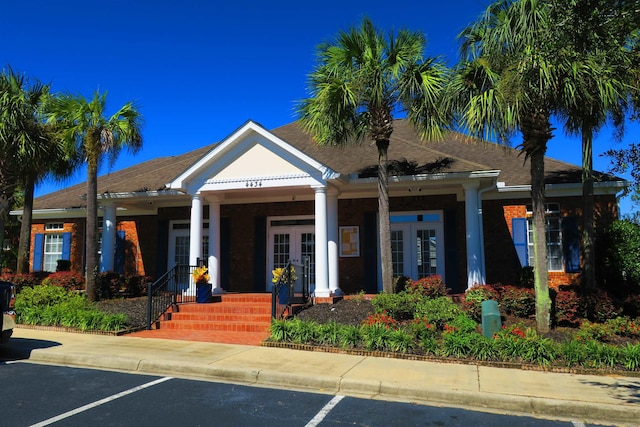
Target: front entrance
x=179, y=241
x=417, y=245
x=290, y=240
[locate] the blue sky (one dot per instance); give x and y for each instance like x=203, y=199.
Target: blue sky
x=198, y=69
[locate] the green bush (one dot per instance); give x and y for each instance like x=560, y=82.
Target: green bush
x=473, y=298
x=400, y=306
x=69, y=280
x=429, y=287
x=598, y=306
x=566, y=307
x=520, y=302
x=437, y=311
x=55, y=306
x=619, y=266
x=375, y=336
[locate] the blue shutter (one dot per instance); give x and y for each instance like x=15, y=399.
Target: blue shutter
x=38, y=249
x=119, y=252
x=519, y=235
x=66, y=246
x=571, y=244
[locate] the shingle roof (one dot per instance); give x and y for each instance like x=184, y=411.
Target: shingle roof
x=456, y=153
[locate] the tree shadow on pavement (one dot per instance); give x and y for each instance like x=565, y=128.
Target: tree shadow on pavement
x=624, y=389
x=21, y=348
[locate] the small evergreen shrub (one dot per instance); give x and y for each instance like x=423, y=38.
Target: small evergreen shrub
x=400, y=306
x=69, y=280
x=598, y=306
x=437, y=311
x=429, y=287
x=566, y=307
x=517, y=301
x=473, y=298
x=619, y=261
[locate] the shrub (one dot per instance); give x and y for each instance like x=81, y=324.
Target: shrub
x=69, y=280
x=54, y=305
x=566, y=307
x=595, y=331
x=437, y=311
x=349, y=336
x=598, y=306
x=520, y=302
x=473, y=298
x=601, y=355
x=624, y=327
x=620, y=264
x=400, y=306
x=429, y=287
x=630, y=355
x=19, y=280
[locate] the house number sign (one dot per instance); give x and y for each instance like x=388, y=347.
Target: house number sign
x=254, y=184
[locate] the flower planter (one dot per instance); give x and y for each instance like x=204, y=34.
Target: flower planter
x=203, y=292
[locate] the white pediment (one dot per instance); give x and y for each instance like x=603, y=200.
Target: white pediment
x=252, y=157
x=258, y=161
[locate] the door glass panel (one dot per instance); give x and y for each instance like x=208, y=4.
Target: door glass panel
x=397, y=253
x=426, y=252
x=281, y=251
x=182, y=250
x=308, y=249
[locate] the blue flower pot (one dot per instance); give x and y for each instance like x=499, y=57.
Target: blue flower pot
x=203, y=292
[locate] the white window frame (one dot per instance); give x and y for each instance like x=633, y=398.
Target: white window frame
x=553, y=237
x=50, y=257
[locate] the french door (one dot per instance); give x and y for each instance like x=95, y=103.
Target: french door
x=417, y=248
x=293, y=242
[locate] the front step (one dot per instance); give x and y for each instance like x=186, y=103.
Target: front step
x=234, y=314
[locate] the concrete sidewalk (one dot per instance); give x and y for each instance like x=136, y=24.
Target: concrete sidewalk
x=582, y=398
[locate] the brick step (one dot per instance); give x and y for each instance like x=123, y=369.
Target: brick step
x=243, y=298
x=191, y=325
x=225, y=307
x=221, y=317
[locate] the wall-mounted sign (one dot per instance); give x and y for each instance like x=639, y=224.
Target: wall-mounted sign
x=350, y=241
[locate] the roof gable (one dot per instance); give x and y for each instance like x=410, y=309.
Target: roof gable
x=250, y=157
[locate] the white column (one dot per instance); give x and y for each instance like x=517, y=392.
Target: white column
x=214, y=245
x=333, y=242
x=195, y=230
x=322, y=269
x=474, y=249
x=107, y=253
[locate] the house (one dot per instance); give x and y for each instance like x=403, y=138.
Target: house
x=260, y=197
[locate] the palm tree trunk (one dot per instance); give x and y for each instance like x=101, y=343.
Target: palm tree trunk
x=25, y=227
x=536, y=131
x=588, y=248
x=541, y=279
x=92, y=230
x=384, y=222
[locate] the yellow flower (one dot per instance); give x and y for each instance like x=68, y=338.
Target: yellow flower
x=278, y=272
x=201, y=275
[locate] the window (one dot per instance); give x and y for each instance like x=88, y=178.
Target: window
x=553, y=234
x=52, y=251
x=562, y=237
x=51, y=246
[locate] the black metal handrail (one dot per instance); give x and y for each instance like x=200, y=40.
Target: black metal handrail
x=292, y=286
x=171, y=288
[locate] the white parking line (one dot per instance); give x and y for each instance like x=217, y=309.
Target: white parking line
x=99, y=402
x=324, y=411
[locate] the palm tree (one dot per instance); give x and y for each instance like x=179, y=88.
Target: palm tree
x=361, y=80
x=24, y=135
x=597, y=59
x=86, y=130
x=507, y=83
